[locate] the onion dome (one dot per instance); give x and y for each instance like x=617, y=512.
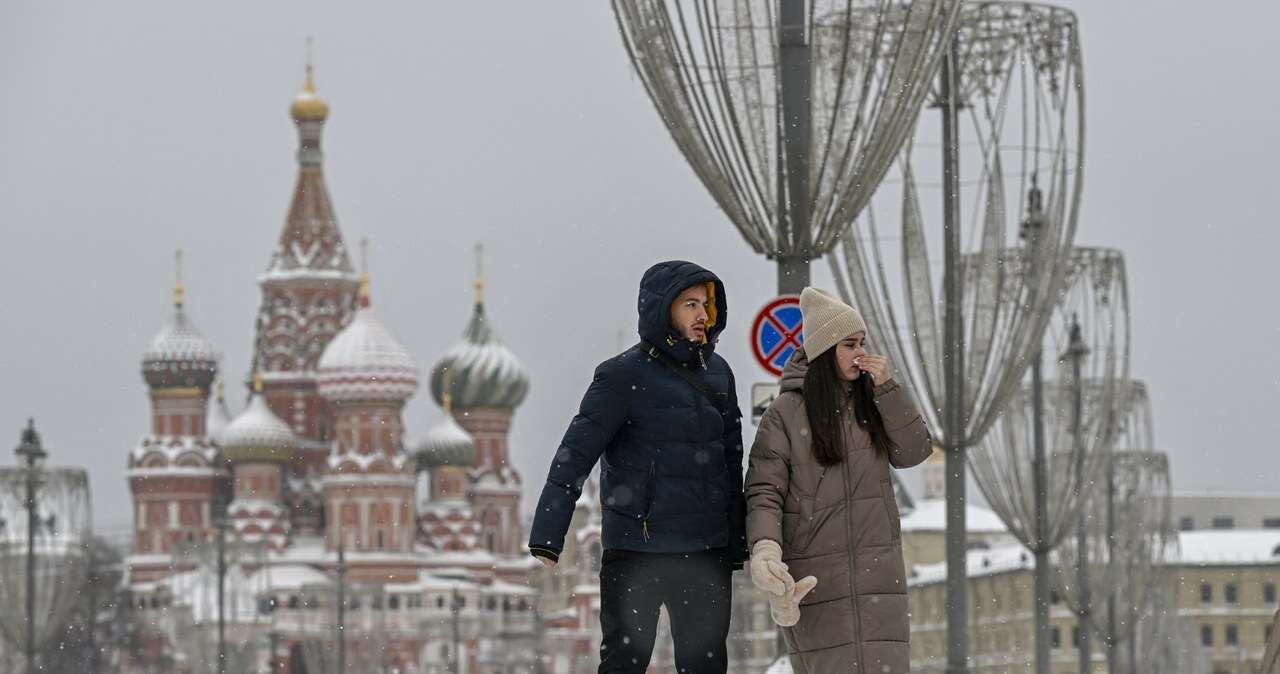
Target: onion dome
x=364, y=362
x=307, y=105
x=218, y=417
x=257, y=434
x=446, y=444
x=179, y=356
x=482, y=371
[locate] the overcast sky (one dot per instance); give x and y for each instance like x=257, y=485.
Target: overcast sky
x=128, y=129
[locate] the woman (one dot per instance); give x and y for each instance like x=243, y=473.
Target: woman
x=820, y=502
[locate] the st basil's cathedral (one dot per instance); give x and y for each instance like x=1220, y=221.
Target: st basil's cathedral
x=312, y=523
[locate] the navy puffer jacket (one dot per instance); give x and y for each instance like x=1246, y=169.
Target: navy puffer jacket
x=671, y=463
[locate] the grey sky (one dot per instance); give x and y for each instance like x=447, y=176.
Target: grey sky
x=129, y=129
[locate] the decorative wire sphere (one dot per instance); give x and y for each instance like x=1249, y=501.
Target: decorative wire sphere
x=1129, y=527
x=713, y=72
x=61, y=551
x=1021, y=146
x=1094, y=296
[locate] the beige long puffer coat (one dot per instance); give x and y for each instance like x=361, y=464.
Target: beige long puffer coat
x=840, y=524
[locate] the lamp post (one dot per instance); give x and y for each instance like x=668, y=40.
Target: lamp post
x=32, y=455
x=455, y=605
x=1076, y=352
x=341, y=627
x=220, y=541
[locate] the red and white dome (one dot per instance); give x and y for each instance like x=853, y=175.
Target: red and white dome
x=364, y=362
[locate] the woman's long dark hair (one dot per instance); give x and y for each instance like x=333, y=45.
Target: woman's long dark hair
x=825, y=394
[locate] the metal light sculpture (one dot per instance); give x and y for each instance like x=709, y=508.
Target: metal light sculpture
x=1040, y=460
x=1129, y=531
x=964, y=338
x=790, y=112
x=44, y=538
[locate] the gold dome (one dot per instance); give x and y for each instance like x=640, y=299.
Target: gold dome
x=307, y=105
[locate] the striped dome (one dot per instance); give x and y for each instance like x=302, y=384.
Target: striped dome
x=364, y=362
x=446, y=444
x=179, y=355
x=482, y=371
x=257, y=435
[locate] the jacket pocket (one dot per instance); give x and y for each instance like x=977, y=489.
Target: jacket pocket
x=891, y=510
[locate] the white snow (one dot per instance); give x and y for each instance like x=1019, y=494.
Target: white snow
x=980, y=563
x=931, y=515
x=257, y=427
x=288, y=577
x=180, y=340
x=1226, y=546
x=365, y=361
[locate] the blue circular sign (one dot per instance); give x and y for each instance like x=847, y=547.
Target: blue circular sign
x=777, y=332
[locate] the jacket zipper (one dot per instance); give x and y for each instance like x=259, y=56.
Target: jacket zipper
x=648, y=507
x=852, y=550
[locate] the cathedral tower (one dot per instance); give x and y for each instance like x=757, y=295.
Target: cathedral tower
x=174, y=472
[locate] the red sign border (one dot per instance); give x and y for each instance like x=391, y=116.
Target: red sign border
x=755, y=330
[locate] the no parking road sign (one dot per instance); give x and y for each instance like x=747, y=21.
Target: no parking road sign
x=777, y=332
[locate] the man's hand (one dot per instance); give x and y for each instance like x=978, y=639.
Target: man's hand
x=547, y=562
x=876, y=366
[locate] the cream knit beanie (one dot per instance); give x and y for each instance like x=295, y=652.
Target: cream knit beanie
x=827, y=320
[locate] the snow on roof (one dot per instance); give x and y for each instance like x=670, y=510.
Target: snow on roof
x=427, y=582
x=256, y=427
x=1226, y=546
x=931, y=515
x=500, y=586
x=1225, y=494
x=198, y=589
x=365, y=361
x=981, y=562
x=288, y=577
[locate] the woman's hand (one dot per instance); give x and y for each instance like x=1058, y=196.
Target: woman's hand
x=876, y=366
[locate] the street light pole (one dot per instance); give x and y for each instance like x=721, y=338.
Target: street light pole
x=342, y=603
x=953, y=372
x=32, y=454
x=794, y=233
x=1076, y=352
x=221, y=542
x=455, y=607
x=1030, y=234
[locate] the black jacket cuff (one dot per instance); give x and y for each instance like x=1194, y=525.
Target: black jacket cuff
x=545, y=553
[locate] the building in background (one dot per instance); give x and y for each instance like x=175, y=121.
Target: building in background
x=313, y=490
x=1225, y=510
x=1226, y=589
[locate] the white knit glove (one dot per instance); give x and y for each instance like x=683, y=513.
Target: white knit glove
x=767, y=570
x=786, y=609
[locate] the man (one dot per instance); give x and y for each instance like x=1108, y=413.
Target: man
x=663, y=419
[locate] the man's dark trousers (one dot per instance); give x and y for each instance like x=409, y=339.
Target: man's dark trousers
x=696, y=589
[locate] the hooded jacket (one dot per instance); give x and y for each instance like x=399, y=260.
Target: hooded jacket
x=671, y=462
x=839, y=524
